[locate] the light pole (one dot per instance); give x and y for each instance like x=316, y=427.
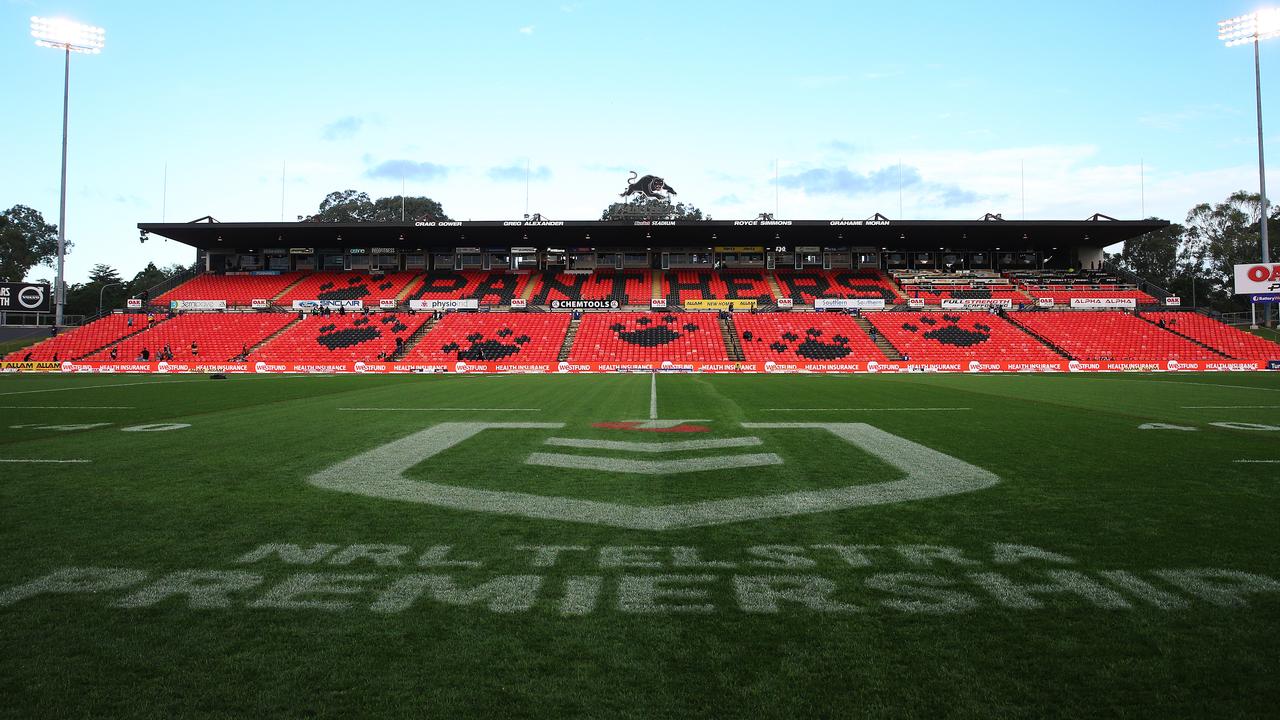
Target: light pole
x=103, y=290
x=69, y=37
x=1253, y=28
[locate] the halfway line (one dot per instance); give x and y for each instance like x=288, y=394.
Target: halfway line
x=43, y=461
x=905, y=409
x=443, y=408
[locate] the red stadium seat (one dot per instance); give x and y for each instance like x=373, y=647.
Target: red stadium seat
x=348, y=286
x=75, y=343
x=959, y=336
x=628, y=287
x=218, y=336
x=1116, y=336
x=479, y=337
x=1234, y=343
x=803, y=286
x=681, y=285
x=341, y=338
x=803, y=337
x=237, y=290
x=489, y=288
x=648, y=337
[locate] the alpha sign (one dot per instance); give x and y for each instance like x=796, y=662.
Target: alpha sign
x=25, y=297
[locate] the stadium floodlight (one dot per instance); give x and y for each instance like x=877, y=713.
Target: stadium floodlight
x=1253, y=28
x=67, y=36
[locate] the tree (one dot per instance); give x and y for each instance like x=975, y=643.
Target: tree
x=26, y=241
x=350, y=206
x=640, y=207
x=1221, y=236
x=103, y=274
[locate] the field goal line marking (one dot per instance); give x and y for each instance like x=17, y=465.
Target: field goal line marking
x=5, y=460
x=67, y=407
x=1230, y=407
x=456, y=409
x=890, y=409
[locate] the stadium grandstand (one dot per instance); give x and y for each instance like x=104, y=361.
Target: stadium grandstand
x=542, y=296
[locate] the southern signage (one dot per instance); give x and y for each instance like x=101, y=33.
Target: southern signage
x=702, y=304
x=1102, y=303
x=25, y=297
x=585, y=304
x=198, y=304
x=330, y=304
x=432, y=305
x=1254, y=278
x=847, y=303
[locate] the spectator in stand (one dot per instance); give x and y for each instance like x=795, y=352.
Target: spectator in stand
x=26, y=358
x=130, y=322
x=144, y=356
x=55, y=357
x=194, y=349
x=112, y=354
x=53, y=331
x=342, y=310
x=166, y=353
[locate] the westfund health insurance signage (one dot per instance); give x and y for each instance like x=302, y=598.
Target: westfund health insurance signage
x=25, y=297
x=1257, y=278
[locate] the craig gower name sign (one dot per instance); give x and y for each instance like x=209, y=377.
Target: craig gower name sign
x=579, y=580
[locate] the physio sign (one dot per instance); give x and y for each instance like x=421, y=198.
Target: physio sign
x=1257, y=278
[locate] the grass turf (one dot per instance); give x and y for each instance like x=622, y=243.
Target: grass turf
x=1077, y=477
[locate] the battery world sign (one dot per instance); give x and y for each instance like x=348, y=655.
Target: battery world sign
x=25, y=297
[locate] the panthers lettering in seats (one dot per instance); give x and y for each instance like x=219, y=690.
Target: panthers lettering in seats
x=628, y=287
x=803, y=286
x=348, y=286
x=681, y=285
x=487, y=288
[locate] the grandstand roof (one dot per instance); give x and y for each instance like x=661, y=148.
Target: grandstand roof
x=497, y=234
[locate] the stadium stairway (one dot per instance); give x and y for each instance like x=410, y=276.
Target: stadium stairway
x=1041, y=339
x=879, y=339
x=568, y=340
x=528, y=290
x=413, y=339
x=773, y=285
x=289, y=288
x=1166, y=328
x=254, y=348
x=731, y=342
x=657, y=286
x=412, y=285
x=144, y=327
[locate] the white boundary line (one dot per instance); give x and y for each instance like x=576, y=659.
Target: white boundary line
x=67, y=407
x=1256, y=461
x=97, y=387
x=904, y=409
x=456, y=409
x=1230, y=407
x=43, y=461
x=653, y=396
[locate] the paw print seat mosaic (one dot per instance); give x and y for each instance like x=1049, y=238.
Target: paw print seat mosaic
x=648, y=337
x=957, y=336
x=341, y=338
x=493, y=337
x=804, y=337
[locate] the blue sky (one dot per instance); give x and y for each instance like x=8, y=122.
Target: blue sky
x=949, y=101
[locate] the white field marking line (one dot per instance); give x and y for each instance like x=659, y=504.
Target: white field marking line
x=67, y=407
x=893, y=409
x=653, y=396
x=1230, y=407
x=1256, y=461
x=1200, y=384
x=454, y=409
x=655, y=447
x=652, y=467
x=43, y=461
x=96, y=387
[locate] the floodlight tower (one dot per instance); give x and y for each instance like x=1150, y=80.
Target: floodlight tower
x=1253, y=28
x=69, y=37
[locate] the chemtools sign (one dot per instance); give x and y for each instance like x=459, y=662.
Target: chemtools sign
x=25, y=297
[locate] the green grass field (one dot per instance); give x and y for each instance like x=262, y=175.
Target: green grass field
x=814, y=546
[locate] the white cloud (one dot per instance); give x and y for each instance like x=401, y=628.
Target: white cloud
x=526, y=30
